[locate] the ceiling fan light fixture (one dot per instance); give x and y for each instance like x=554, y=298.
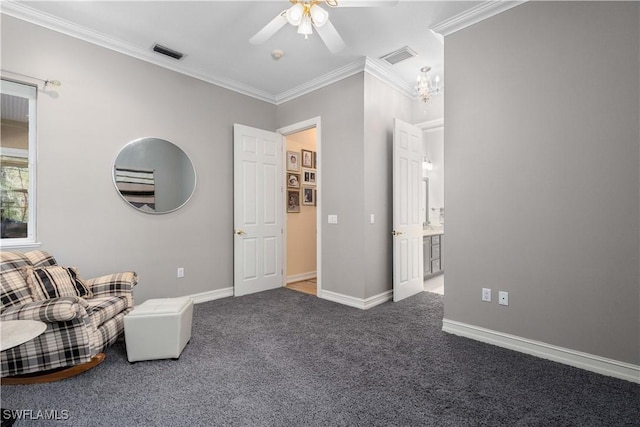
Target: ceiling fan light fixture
x=295, y=14
x=319, y=16
x=305, y=26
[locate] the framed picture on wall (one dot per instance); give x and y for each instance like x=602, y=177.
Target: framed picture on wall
x=307, y=159
x=309, y=177
x=293, y=201
x=293, y=161
x=293, y=180
x=308, y=196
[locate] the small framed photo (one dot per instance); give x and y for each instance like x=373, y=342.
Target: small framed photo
x=293, y=180
x=293, y=201
x=308, y=196
x=309, y=177
x=307, y=159
x=293, y=161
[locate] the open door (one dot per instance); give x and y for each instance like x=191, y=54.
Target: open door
x=257, y=210
x=407, y=221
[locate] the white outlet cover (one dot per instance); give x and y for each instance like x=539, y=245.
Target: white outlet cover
x=486, y=294
x=503, y=298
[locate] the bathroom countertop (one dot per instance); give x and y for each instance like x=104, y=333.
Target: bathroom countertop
x=433, y=230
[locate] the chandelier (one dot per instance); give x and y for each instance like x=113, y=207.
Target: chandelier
x=307, y=14
x=426, y=87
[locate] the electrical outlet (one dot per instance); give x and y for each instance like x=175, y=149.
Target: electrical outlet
x=180, y=272
x=486, y=294
x=503, y=298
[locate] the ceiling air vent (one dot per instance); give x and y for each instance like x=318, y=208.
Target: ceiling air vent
x=399, y=55
x=168, y=52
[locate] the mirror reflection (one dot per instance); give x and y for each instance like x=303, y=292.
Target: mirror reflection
x=154, y=175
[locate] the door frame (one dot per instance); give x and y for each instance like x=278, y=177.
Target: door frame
x=314, y=122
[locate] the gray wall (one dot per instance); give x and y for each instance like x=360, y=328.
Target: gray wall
x=356, y=167
x=106, y=100
x=112, y=99
x=542, y=175
x=341, y=165
x=381, y=105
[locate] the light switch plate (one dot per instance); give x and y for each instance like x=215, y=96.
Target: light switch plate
x=332, y=219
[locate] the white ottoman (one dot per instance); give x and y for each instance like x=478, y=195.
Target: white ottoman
x=158, y=329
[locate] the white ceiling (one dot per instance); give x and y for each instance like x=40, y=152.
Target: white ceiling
x=214, y=36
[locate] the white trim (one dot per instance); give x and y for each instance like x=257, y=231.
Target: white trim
x=14, y=152
x=374, y=67
x=301, y=277
x=589, y=362
x=431, y=124
x=20, y=245
x=362, y=304
x=478, y=13
x=378, y=299
x=322, y=81
x=378, y=69
x=43, y=19
x=211, y=295
x=34, y=16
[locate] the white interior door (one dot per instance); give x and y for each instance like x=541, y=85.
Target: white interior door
x=257, y=210
x=407, y=221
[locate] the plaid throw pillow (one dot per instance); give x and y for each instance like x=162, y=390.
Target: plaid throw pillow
x=55, y=281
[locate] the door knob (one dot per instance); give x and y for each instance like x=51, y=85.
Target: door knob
x=396, y=233
x=239, y=232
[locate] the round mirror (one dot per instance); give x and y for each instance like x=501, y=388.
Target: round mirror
x=154, y=175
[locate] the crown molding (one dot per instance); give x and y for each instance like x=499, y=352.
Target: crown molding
x=369, y=65
x=322, y=81
x=376, y=68
x=372, y=66
x=474, y=15
x=31, y=15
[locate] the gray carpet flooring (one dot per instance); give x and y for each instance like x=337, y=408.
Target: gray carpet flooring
x=283, y=358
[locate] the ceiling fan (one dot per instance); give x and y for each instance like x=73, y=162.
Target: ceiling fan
x=307, y=14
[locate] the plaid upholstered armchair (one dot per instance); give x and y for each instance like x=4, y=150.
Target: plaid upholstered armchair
x=83, y=317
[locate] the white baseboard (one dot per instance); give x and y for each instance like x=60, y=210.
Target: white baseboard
x=360, y=303
x=212, y=295
x=589, y=362
x=301, y=277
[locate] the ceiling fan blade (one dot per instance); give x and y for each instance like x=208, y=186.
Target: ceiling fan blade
x=270, y=29
x=366, y=3
x=330, y=37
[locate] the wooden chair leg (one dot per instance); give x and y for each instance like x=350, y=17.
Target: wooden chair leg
x=54, y=375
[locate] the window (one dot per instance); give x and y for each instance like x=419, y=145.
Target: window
x=17, y=164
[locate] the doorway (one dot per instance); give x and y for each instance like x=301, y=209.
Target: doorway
x=301, y=223
x=260, y=204
x=301, y=243
x=433, y=191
